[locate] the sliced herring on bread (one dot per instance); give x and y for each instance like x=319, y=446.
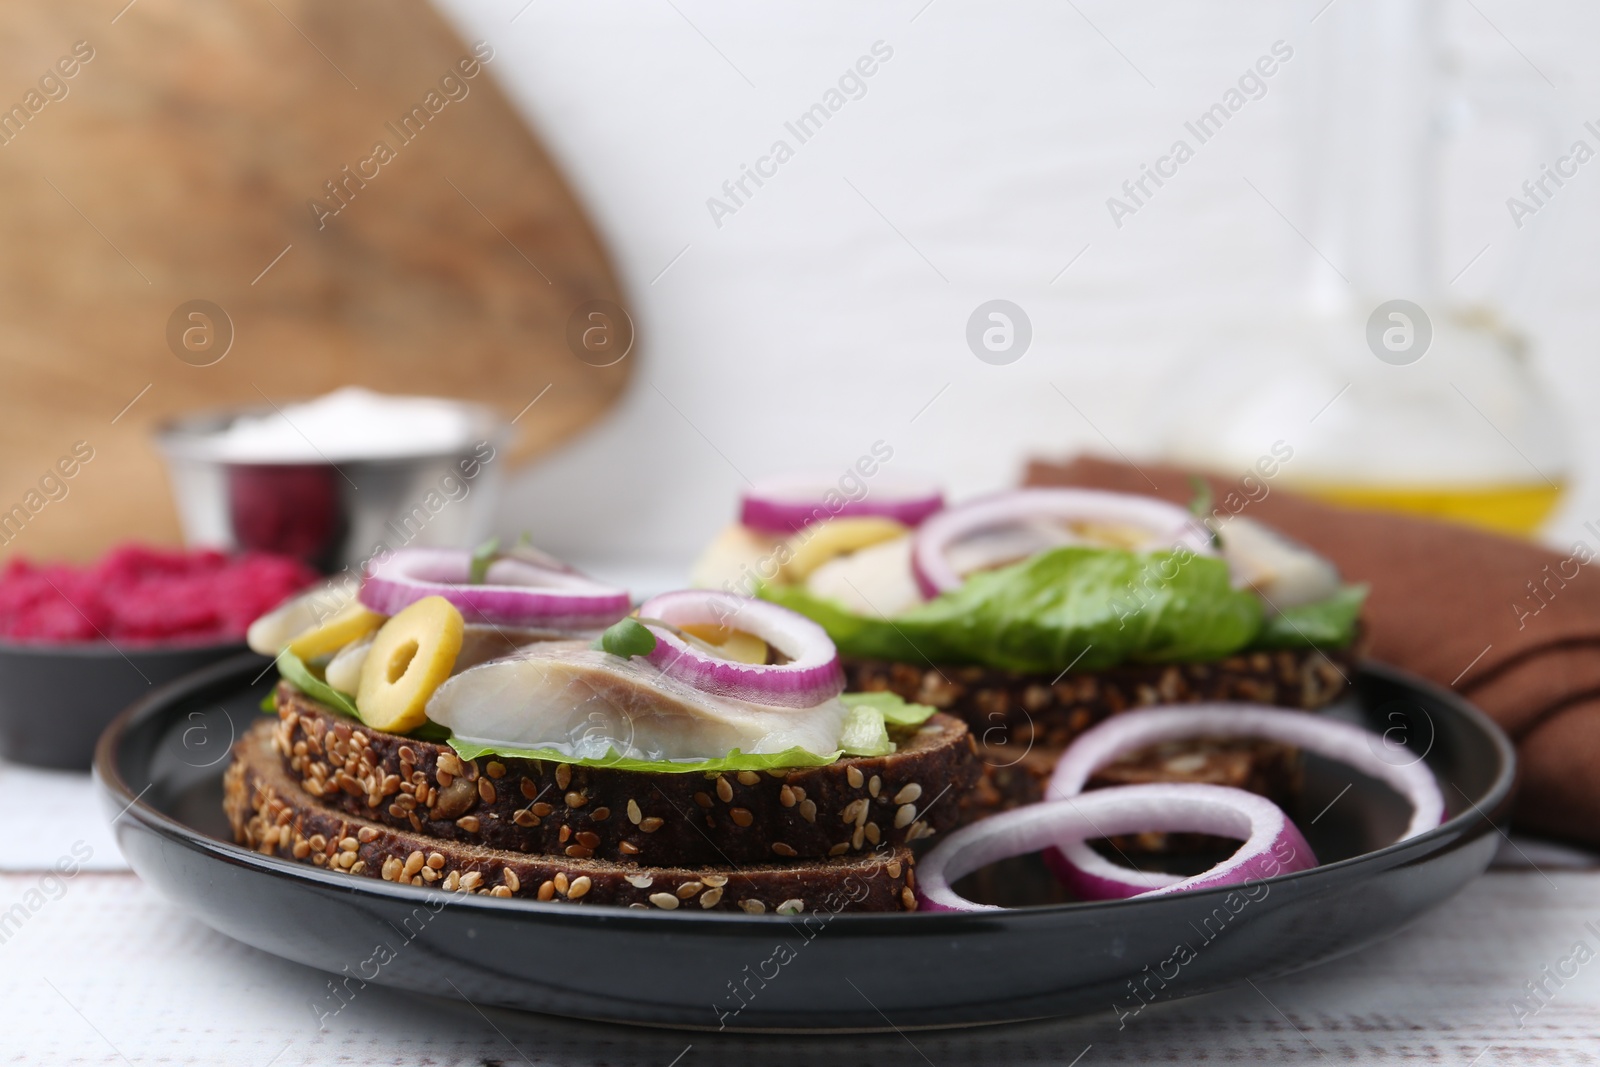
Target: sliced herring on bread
x=851, y=806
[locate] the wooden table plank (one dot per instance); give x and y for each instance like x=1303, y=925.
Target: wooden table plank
x=108, y=971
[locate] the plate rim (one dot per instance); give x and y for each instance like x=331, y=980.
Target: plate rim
x=1480, y=815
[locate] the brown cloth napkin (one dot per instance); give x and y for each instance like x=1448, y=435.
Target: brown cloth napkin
x=1512, y=626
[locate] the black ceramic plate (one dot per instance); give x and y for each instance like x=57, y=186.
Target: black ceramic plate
x=160, y=764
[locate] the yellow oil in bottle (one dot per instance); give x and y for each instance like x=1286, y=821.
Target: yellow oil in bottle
x=1509, y=508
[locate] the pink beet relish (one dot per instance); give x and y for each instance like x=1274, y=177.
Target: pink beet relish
x=139, y=593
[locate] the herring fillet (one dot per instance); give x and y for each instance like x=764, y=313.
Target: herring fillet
x=585, y=703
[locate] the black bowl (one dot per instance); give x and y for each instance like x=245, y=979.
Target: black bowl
x=159, y=767
x=55, y=699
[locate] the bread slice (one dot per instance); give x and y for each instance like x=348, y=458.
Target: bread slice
x=1007, y=707
x=1015, y=775
x=271, y=814
x=851, y=806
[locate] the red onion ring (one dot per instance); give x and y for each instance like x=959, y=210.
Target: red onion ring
x=784, y=506
x=1130, y=731
x=516, y=591
x=1272, y=844
x=935, y=575
x=811, y=676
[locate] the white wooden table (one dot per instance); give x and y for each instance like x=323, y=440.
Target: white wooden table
x=103, y=971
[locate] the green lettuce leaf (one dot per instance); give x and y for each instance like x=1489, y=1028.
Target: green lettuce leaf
x=865, y=733
x=430, y=731
x=866, y=730
x=294, y=671
x=1329, y=623
x=1089, y=608
x=894, y=710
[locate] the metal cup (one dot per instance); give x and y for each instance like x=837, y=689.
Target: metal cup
x=336, y=513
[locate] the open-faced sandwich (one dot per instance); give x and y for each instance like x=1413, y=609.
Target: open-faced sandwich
x=499, y=723
x=1035, y=614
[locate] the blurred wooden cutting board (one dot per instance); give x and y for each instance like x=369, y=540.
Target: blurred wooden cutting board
x=178, y=163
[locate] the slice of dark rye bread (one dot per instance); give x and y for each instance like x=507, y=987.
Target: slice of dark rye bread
x=1007, y=707
x=272, y=815
x=1015, y=775
x=853, y=805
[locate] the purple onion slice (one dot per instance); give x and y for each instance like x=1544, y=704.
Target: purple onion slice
x=1091, y=873
x=810, y=671
x=1166, y=525
x=783, y=506
x=515, y=591
x=1272, y=844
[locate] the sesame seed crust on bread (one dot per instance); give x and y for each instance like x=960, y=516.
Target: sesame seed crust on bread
x=272, y=815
